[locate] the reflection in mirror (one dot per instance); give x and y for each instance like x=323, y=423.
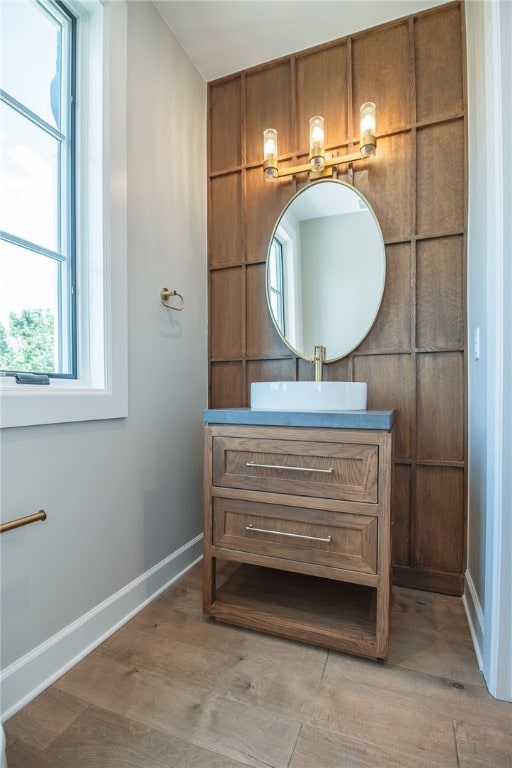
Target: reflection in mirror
x=326, y=268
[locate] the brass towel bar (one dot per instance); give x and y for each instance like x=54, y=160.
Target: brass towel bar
x=41, y=515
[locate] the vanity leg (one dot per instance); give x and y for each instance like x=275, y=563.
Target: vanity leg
x=209, y=562
x=209, y=565
x=209, y=582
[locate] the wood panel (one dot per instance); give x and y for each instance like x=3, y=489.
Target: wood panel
x=226, y=314
x=439, y=518
x=439, y=64
x=268, y=104
x=226, y=386
x=401, y=503
x=341, y=370
x=225, y=115
x=326, y=64
x=414, y=355
x=225, y=225
x=440, y=293
x=440, y=175
x=440, y=406
x=381, y=73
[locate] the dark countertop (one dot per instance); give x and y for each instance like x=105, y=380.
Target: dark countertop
x=332, y=419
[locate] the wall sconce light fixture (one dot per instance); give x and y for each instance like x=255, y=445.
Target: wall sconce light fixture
x=319, y=165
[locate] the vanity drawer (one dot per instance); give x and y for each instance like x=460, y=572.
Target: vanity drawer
x=345, y=471
x=321, y=537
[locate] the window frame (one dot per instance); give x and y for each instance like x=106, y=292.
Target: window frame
x=65, y=248
x=100, y=391
x=276, y=292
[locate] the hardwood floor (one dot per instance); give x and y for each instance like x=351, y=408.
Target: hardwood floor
x=172, y=689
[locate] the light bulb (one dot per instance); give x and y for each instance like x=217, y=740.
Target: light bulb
x=368, y=142
x=317, y=135
x=270, y=154
x=316, y=143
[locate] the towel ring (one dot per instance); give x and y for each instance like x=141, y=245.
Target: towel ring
x=166, y=294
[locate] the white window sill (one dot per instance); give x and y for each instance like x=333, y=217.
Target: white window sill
x=60, y=401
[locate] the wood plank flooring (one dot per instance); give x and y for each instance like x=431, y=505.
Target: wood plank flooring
x=173, y=689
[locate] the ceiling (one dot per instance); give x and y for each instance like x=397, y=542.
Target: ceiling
x=225, y=37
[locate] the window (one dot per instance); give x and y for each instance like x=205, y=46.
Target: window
x=37, y=217
x=85, y=265
x=288, y=281
x=276, y=292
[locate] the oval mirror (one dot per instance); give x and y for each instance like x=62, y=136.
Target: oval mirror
x=326, y=268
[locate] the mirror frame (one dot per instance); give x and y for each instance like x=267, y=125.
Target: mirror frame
x=297, y=352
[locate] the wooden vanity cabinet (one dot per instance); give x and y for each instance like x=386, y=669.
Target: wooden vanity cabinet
x=304, y=514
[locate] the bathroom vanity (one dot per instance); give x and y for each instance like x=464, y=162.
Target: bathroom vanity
x=298, y=503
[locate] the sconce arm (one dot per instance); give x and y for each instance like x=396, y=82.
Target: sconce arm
x=329, y=163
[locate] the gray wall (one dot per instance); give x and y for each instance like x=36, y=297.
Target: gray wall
x=122, y=495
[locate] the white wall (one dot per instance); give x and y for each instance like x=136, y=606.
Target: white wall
x=335, y=248
x=488, y=591
x=121, y=496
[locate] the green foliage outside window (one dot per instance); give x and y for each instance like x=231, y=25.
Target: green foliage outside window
x=28, y=343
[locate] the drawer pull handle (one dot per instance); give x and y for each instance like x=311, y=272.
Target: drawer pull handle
x=295, y=469
x=251, y=527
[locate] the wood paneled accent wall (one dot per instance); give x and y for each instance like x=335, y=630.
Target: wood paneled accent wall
x=414, y=356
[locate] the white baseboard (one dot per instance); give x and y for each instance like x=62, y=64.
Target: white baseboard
x=25, y=678
x=475, y=617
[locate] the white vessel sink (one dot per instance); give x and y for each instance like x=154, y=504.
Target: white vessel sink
x=308, y=395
